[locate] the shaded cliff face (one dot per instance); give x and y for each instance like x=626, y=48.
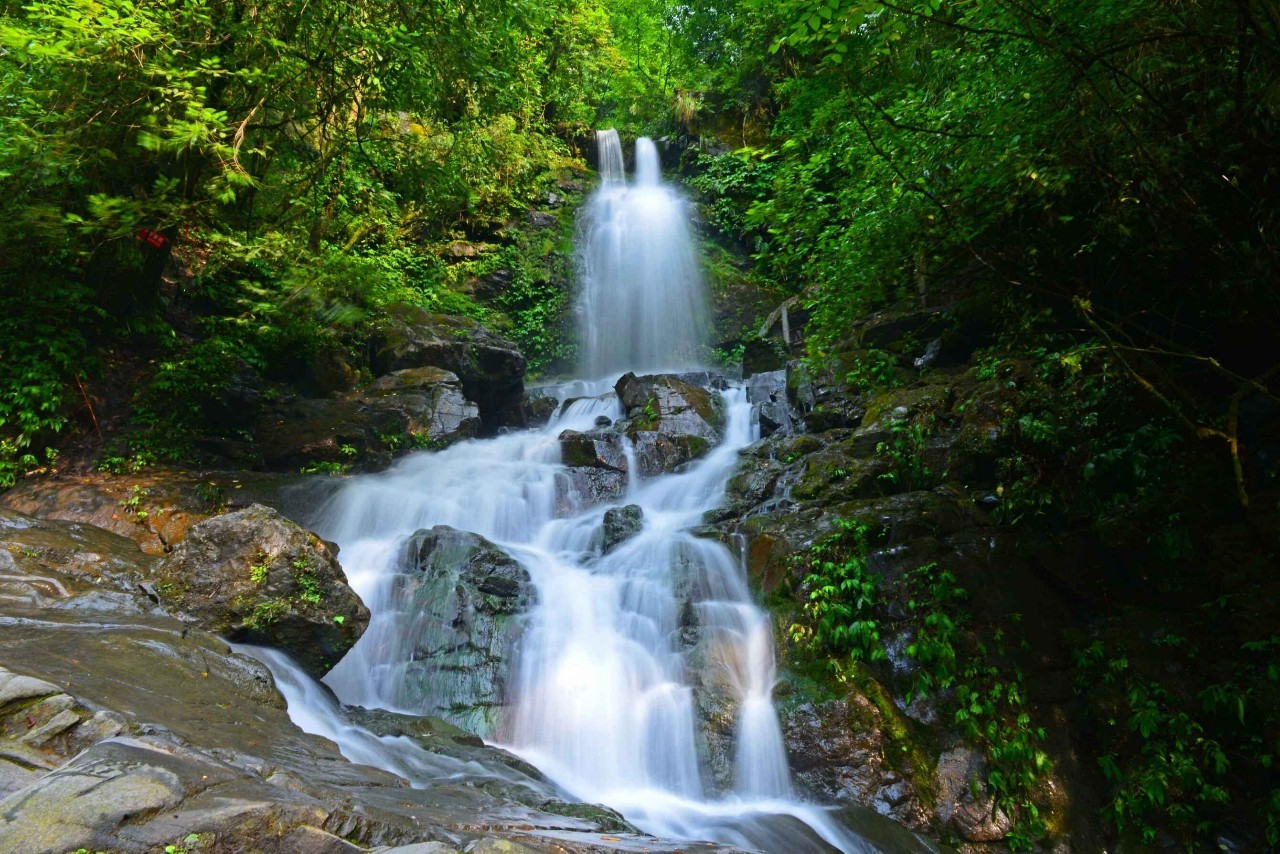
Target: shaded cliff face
x=984, y=582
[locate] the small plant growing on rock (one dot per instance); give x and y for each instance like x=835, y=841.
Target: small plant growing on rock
x=260, y=566
x=133, y=504
x=312, y=592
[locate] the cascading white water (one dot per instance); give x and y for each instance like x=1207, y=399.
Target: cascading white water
x=604, y=696
x=642, y=305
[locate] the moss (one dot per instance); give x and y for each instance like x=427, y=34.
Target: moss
x=905, y=751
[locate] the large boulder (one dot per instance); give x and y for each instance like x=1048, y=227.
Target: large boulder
x=669, y=421
x=406, y=409
x=466, y=596
x=254, y=576
x=490, y=367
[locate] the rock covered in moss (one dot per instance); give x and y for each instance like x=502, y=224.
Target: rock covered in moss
x=669, y=421
x=597, y=449
x=399, y=411
x=255, y=576
x=621, y=524
x=490, y=367
x=467, y=595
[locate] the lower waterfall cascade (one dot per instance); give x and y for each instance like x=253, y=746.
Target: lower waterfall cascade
x=603, y=693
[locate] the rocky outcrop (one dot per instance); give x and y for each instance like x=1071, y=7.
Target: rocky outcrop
x=412, y=408
x=466, y=595
x=490, y=367
x=914, y=466
x=669, y=421
x=597, y=449
x=157, y=508
x=254, y=576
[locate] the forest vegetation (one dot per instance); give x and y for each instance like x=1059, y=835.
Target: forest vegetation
x=197, y=192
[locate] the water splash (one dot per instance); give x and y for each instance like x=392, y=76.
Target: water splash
x=642, y=305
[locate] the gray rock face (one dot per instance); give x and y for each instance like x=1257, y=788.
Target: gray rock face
x=399, y=411
x=767, y=393
x=597, y=449
x=255, y=576
x=669, y=421
x=490, y=367
x=468, y=598
x=621, y=524
x=976, y=818
x=586, y=486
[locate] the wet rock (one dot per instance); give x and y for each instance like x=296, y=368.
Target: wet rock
x=408, y=408
x=767, y=393
x=597, y=449
x=539, y=408
x=490, y=367
x=840, y=750
x=584, y=487
x=961, y=772
x=254, y=576
x=669, y=421
x=620, y=524
x=467, y=594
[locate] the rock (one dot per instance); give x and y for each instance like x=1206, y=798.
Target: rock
x=621, y=523
x=491, y=368
x=761, y=355
x=541, y=219
x=331, y=373
x=155, y=508
x=767, y=393
x=597, y=449
x=468, y=595
x=840, y=752
x=669, y=421
x=414, y=407
x=976, y=818
x=585, y=487
x=254, y=576
x=539, y=407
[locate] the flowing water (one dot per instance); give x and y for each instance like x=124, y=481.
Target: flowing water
x=604, y=694
x=642, y=305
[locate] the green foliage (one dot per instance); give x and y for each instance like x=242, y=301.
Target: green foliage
x=842, y=596
x=905, y=452
x=987, y=697
x=1171, y=752
x=1083, y=444
x=297, y=168
x=729, y=184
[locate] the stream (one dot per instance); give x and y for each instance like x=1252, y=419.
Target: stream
x=602, y=695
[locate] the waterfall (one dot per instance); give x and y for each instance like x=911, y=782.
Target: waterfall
x=642, y=305
x=620, y=646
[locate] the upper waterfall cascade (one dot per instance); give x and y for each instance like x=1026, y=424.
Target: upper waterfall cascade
x=642, y=305
x=604, y=693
